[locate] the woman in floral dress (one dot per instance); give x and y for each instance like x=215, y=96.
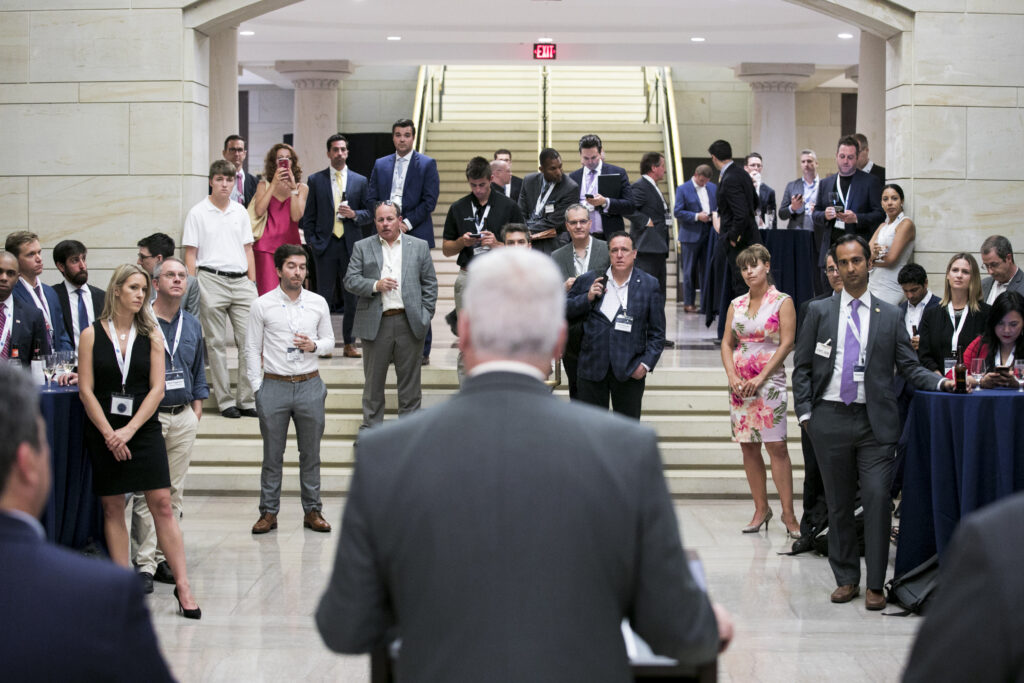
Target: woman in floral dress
x=762, y=326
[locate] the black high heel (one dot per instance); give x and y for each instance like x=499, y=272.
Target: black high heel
x=187, y=613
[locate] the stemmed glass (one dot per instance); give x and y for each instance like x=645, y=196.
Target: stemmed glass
x=50, y=364
x=1018, y=369
x=977, y=371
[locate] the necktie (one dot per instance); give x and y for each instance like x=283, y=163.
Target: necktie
x=339, y=227
x=5, y=351
x=49, y=329
x=851, y=355
x=595, y=216
x=240, y=188
x=83, y=315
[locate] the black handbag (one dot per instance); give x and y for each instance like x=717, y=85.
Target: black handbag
x=913, y=590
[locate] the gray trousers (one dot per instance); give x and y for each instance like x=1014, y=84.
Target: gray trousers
x=396, y=343
x=848, y=452
x=460, y=287
x=277, y=402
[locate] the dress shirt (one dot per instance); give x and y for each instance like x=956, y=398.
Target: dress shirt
x=339, y=182
x=274, y=320
x=219, y=236
x=589, y=185
x=187, y=356
x=998, y=288
x=913, y=315
x=392, y=268
x=867, y=169
x=515, y=366
x=8, y=330
x=832, y=390
x=582, y=265
x=73, y=305
x=662, y=197
x=238, y=189
x=810, y=192
x=398, y=182
x=39, y=299
x=615, y=297
x=702, y=196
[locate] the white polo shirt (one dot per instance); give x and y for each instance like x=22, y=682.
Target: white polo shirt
x=218, y=236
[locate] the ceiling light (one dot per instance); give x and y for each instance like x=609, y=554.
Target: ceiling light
x=247, y=33
x=545, y=39
x=697, y=39
x=845, y=36
x=394, y=37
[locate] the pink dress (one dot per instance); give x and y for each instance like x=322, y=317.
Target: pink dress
x=281, y=229
x=762, y=417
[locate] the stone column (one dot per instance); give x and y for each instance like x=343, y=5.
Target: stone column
x=316, y=104
x=773, y=125
x=871, y=94
x=223, y=90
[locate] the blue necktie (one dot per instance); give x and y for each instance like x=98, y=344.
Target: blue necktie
x=83, y=315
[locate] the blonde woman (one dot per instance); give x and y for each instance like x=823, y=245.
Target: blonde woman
x=121, y=383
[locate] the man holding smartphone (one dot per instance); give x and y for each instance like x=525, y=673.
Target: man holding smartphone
x=798, y=202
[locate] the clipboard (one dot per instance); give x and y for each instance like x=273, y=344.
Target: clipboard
x=610, y=185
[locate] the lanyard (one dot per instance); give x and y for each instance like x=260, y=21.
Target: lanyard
x=479, y=222
x=123, y=362
x=861, y=360
x=543, y=200
x=956, y=328
x=177, y=338
x=839, y=190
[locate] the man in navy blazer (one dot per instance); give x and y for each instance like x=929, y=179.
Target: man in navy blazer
x=696, y=200
x=623, y=330
x=26, y=248
x=856, y=193
x=335, y=219
x=23, y=330
x=70, y=258
x=606, y=212
x=64, y=617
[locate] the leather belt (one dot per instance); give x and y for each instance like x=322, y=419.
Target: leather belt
x=292, y=379
x=222, y=273
x=839, y=405
x=173, y=410
x=394, y=311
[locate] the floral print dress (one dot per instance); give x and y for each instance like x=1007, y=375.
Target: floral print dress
x=761, y=417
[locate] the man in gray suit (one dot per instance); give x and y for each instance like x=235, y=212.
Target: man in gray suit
x=512, y=553
x=842, y=381
x=997, y=257
x=393, y=276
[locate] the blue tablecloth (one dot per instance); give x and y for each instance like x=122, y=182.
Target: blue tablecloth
x=72, y=516
x=963, y=452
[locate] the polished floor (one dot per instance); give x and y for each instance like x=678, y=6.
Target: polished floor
x=258, y=594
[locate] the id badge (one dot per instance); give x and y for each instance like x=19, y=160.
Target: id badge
x=549, y=208
x=122, y=404
x=858, y=373
x=294, y=355
x=174, y=379
x=623, y=323
x=822, y=349
x=480, y=250
x=668, y=218
x=947, y=364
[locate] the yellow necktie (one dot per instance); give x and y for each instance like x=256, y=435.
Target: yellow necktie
x=339, y=226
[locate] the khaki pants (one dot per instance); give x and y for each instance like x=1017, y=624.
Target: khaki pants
x=460, y=287
x=222, y=298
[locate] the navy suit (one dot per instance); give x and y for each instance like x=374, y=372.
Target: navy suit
x=608, y=357
x=61, y=340
x=28, y=332
x=419, y=195
x=617, y=207
x=693, y=234
x=766, y=202
x=737, y=202
x=98, y=298
x=864, y=199
x=331, y=253
x=67, y=617
x=652, y=243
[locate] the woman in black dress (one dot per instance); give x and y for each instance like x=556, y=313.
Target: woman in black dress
x=121, y=383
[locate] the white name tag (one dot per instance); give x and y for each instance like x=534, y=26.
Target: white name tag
x=858, y=373
x=623, y=323
x=668, y=218
x=122, y=404
x=293, y=354
x=549, y=208
x=948, y=364
x=822, y=349
x=174, y=379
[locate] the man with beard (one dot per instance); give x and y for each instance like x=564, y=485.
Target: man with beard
x=80, y=302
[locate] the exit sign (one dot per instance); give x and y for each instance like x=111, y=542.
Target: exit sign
x=545, y=50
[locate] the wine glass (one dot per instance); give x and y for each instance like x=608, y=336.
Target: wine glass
x=1018, y=369
x=977, y=371
x=49, y=368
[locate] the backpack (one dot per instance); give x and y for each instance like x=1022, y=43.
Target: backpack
x=913, y=590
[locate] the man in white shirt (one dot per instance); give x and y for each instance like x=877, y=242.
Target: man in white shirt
x=30, y=288
x=1003, y=273
x=913, y=280
x=288, y=328
x=80, y=302
x=218, y=251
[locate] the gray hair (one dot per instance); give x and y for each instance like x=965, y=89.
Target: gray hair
x=159, y=266
x=809, y=151
x=19, y=420
x=515, y=302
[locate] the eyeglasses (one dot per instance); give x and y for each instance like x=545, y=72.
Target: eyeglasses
x=832, y=270
x=583, y=221
x=145, y=256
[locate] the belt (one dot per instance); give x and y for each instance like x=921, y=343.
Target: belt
x=222, y=273
x=293, y=379
x=173, y=410
x=394, y=311
x=839, y=405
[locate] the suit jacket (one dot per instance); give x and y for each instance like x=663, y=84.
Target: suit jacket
x=888, y=349
x=94, y=627
x=766, y=202
x=864, y=199
x=317, y=221
x=28, y=332
x=899, y=385
x=797, y=221
x=61, y=340
x=599, y=263
x=603, y=346
x=520, y=566
x=419, y=195
x=878, y=172
x=418, y=284
x=737, y=201
x=980, y=605
x=936, y=331
x=98, y=297
x=1016, y=284
x=617, y=207
x=566, y=192
x=517, y=186
x=650, y=205
x=692, y=231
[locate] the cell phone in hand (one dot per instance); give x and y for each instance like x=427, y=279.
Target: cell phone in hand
x=284, y=163
x=603, y=279
x=589, y=196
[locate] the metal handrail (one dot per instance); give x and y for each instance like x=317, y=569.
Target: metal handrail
x=420, y=105
x=544, y=123
x=666, y=107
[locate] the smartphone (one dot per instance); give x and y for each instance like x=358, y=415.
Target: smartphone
x=589, y=196
x=603, y=280
x=284, y=163
x=914, y=329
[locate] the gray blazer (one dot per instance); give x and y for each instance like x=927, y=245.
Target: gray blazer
x=888, y=349
x=503, y=554
x=1016, y=284
x=418, y=284
x=599, y=259
x=797, y=221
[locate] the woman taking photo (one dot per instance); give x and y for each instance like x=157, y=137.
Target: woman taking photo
x=960, y=317
x=761, y=328
x=1002, y=343
x=892, y=245
x=121, y=382
x=282, y=200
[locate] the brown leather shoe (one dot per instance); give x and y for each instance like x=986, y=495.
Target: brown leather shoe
x=315, y=521
x=266, y=522
x=689, y=309
x=845, y=593
x=352, y=352
x=874, y=600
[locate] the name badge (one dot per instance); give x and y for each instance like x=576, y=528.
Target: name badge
x=122, y=404
x=623, y=323
x=174, y=379
x=858, y=373
x=480, y=250
x=948, y=364
x=293, y=354
x=822, y=349
x=668, y=218
x=549, y=208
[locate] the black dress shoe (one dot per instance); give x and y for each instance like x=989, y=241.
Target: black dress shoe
x=249, y=412
x=669, y=344
x=803, y=544
x=231, y=412
x=147, y=582
x=163, y=573
x=425, y=361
